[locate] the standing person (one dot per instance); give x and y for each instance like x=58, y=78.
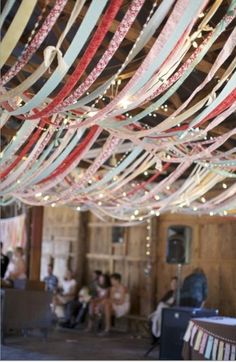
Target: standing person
x=16, y=269
x=194, y=290
x=4, y=262
x=167, y=301
x=51, y=281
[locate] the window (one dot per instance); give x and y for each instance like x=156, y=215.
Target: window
x=118, y=234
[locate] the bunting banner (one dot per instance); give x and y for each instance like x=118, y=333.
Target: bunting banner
x=208, y=344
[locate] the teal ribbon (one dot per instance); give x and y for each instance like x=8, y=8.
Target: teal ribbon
x=82, y=35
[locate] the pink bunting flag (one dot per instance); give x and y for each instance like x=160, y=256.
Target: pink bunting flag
x=193, y=332
x=203, y=343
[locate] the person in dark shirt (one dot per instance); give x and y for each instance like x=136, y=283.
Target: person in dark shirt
x=94, y=283
x=167, y=301
x=51, y=281
x=4, y=262
x=194, y=290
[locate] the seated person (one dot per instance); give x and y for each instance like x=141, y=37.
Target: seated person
x=194, y=290
x=95, y=282
x=51, y=281
x=16, y=268
x=96, y=307
x=67, y=292
x=167, y=301
x=118, y=303
x=76, y=310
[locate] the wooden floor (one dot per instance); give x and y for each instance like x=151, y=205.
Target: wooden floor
x=76, y=345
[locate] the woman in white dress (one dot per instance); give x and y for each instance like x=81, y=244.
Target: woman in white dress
x=118, y=304
x=16, y=269
x=167, y=301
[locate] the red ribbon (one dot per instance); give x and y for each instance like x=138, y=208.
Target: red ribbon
x=93, y=46
x=74, y=154
x=23, y=152
x=227, y=102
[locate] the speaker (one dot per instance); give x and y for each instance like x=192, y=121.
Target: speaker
x=173, y=327
x=178, y=244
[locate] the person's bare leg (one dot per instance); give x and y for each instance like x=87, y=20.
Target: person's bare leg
x=107, y=312
x=91, y=316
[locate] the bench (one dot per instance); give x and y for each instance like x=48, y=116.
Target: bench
x=134, y=324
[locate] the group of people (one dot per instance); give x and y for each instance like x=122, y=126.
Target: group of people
x=105, y=297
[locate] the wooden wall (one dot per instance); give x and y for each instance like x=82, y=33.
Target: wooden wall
x=61, y=227
x=128, y=258
x=213, y=249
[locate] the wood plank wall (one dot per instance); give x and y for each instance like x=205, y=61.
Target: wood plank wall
x=61, y=227
x=213, y=249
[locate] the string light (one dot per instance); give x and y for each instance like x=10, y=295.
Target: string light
x=148, y=245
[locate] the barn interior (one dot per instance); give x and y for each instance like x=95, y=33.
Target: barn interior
x=118, y=155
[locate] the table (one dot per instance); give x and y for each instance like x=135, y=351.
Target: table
x=25, y=310
x=210, y=338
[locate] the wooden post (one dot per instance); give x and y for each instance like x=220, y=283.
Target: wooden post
x=35, y=242
x=83, y=239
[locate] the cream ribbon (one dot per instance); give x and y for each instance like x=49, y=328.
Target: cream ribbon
x=49, y=53
x=16, y=29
